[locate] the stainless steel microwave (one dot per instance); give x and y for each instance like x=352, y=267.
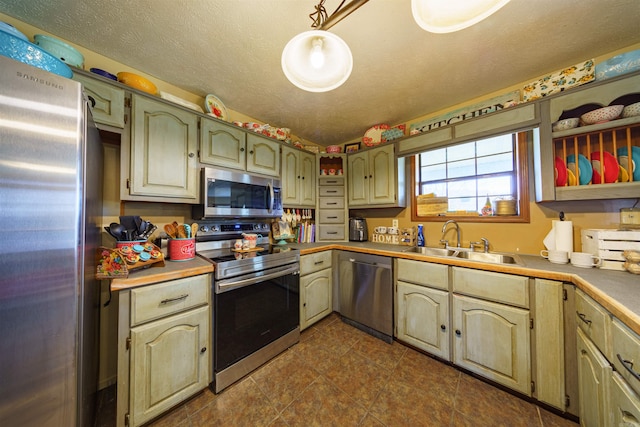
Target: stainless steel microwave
x=232, y=194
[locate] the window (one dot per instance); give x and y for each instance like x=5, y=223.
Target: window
x=468, y=173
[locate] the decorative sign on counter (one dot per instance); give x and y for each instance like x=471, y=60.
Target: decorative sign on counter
x=476, y=110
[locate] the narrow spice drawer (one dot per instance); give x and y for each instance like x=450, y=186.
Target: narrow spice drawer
x=331, y=191
x=332, y=203
x=166, y=298
x=331, y=232
x=594, y=321
x=331, y=216
x=331, y=181
x=626, y=353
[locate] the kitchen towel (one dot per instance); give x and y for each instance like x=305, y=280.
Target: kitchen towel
x=563, y=235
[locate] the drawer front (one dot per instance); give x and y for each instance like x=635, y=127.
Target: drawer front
x=157, y=301
x=498, y=287
x=626, y=353
x=331, y=216
x=423, y=273
x=331, y=232
x=332, y=203
x=331, y=191
x=593, y=320
x=315, y=262
x=331, y=181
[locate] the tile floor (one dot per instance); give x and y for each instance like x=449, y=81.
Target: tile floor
x=340, y=376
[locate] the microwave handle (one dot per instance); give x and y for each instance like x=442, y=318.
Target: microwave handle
x=271, y=197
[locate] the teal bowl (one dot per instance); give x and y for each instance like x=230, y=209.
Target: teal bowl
x=28, y=53
x=59, y=49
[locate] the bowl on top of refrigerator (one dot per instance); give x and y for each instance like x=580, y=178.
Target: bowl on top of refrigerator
x=8, y=28
x=28, y=53
x=59, y=49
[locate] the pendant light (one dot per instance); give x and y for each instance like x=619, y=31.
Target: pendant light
x=317, y=60
x=446, y=16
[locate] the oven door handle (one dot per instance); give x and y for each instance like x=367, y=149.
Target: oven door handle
x=230, y=284
x=271, y=197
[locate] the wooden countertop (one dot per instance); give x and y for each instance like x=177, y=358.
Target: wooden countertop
x=171, y=270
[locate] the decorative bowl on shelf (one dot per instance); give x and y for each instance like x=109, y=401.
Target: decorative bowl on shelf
x=333, y=149
x=137, y=82
x=602, y=115
x=631, y=110
x=60, y=50
x=565, y=124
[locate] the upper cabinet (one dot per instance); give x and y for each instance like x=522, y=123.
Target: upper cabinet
x=298, y=178
x=159, y=161
x=229, y=146
x=568, y=162
x=107, y=101
x=376, y=177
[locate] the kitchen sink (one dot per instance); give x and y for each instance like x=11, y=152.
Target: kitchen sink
x=494, y=258
x=489, y=257
x=424, y=250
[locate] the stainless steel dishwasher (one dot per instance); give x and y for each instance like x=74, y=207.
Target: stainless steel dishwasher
x=366, y=293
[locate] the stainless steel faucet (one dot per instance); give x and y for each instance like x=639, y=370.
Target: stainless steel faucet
x=444, y=228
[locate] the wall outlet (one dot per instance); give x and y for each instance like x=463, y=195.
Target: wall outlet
x=394, y=222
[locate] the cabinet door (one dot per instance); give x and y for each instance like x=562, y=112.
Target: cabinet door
x=625, y=403
x=290, y=176
x=263, y=155
x=164, y=141
x=315, y=297
x=422, y=318
x=107, y=101
x=308, y=179
x=169, y=363
x=382, y=182
x=222, y=145
x=358, y=179
x=493, y=340
x=594, y=376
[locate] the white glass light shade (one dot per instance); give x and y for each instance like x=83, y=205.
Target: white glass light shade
x=317, y=61
x=446, y=16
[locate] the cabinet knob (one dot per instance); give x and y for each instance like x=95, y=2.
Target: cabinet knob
x=458, y=333
x=242, y=149
x=191, y=155
x=370, y=176
x=444, y=328
x=203, y=349
x=251, y=152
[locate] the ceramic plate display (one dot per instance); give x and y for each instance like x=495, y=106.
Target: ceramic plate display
x=623, y=158
x=180, y=101
x=585, y=172
x=567, y=78
x=623, y=175
x=571, y=178
x=610, y=167
x=561, y=173
x=373, y=136
x=214, y=106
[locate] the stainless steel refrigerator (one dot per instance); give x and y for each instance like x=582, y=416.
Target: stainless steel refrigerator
x=50, y=212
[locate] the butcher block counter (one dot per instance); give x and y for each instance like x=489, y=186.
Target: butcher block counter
x=170, y=271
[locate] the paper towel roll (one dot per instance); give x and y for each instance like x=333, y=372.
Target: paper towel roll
x=563, y=232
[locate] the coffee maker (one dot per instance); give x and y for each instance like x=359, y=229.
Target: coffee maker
x=358, y=230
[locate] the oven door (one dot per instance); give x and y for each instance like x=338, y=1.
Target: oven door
x=247, y=317
x=236, y=194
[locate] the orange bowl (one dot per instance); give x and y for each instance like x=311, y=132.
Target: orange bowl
x=334, y=149
x=137, y=82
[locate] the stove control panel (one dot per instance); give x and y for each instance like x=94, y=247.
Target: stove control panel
x=221, y=229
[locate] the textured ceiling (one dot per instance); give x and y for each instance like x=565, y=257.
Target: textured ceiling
x=232, y=48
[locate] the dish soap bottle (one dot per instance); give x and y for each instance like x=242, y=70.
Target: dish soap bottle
x=487, y=210
x=420, y=235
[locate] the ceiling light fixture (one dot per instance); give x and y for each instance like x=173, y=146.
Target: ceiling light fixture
x=317, y=60
x=446, y=16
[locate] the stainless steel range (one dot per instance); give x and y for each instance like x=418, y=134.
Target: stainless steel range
x=256, y=299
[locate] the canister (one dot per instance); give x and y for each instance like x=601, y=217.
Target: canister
x=181, y=249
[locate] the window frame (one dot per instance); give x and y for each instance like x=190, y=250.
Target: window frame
x=522, y=172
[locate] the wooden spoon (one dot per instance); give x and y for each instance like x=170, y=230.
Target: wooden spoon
x=171, y=230
x=182, y=233
x=194, y=229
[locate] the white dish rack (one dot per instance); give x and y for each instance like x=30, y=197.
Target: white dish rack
x=608, y=244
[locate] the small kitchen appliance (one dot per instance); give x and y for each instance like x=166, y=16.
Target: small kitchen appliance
x=358, y=230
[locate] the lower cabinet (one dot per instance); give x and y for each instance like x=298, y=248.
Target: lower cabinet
x=164, y=354
x=422, y=306
x=493, y=340
x=594, y=376
x=625, y=402
x=316, y=288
